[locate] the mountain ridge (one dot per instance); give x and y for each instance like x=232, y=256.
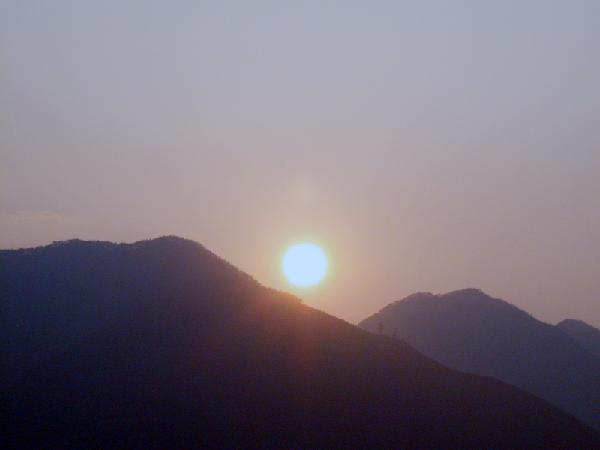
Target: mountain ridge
x=585, y=334
x=470, y=331
x=181, y=350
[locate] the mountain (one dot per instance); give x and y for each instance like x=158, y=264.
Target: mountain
x=54, y=296
x=586, y=335
x=161, y=344
x=472, y=332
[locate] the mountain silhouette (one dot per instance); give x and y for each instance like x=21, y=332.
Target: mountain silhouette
x=587, y=336
x=472, y=332
x=53, y=296
x=161, y=344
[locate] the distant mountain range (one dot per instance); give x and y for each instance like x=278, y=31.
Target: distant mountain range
x=161, y=344
x=472, y=332
x=587, y=336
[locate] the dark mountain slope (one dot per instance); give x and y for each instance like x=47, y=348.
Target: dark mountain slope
x=197, y=360
x=586, y=335
x=52, y=296
x=472, y=332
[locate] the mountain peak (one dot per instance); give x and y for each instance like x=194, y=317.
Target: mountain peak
x=73, y=243
x=169, y=239
x=585, y=334
x=473, y=332
x=574, y=323
x=470, y=293
x=460, y=295
x=472, y=298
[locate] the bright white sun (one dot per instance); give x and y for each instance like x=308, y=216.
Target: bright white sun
x=305, y=264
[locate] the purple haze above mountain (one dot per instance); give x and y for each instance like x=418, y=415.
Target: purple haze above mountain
x=427, y=145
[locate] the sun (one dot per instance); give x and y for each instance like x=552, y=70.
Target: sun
x=305, y=264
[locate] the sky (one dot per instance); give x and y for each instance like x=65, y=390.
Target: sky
x=426, y=145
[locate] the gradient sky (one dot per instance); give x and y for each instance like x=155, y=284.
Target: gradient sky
x=427, y=145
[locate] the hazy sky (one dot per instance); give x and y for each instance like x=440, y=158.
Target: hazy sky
x=427, y=145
